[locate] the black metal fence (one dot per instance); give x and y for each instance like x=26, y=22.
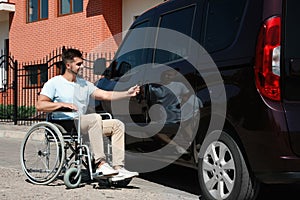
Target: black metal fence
x=20, y=83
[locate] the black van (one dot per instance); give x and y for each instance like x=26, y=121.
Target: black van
x=236, y=65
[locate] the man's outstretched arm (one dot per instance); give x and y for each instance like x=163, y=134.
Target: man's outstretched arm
x=100, y=94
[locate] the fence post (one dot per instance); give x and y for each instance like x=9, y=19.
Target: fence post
x=15, y=89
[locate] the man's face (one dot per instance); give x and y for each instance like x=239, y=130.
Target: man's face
x=76, y=65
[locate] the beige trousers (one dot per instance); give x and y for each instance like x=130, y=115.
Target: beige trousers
x=95, y=128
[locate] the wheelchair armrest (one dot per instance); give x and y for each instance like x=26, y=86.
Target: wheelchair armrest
x=60, y=110
x=64, y=110
x=105, y=115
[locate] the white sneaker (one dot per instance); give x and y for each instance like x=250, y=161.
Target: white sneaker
x=106, y=170
x=124, y=174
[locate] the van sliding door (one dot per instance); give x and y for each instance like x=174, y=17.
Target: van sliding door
x=171, y=99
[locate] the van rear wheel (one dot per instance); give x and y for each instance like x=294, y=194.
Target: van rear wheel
x=222, y=170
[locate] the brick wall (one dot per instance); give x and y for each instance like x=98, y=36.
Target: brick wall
x=89, y=31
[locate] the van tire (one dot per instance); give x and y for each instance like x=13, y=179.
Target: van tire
x=228, y=165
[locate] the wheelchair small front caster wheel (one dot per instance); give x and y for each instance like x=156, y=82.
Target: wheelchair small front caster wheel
x=70, y=179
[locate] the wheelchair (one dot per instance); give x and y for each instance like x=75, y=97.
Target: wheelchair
x=54, y=148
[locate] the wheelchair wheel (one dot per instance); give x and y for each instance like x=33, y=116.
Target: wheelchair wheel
x=70, y=179
x=42, y=153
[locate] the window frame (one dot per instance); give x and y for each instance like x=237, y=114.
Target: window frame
x=210, y=21
x=39, y=11
x=124, y=59
x=59, y=9
x=159, y=25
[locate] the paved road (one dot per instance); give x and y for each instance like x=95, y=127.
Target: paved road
x=173, y=182
x=13, y=184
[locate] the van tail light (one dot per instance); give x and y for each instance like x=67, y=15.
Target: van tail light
x=267, y=62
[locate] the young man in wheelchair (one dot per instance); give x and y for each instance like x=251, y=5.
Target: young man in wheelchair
x=72, y=92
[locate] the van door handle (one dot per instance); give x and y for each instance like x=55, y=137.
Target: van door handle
x=142, y=94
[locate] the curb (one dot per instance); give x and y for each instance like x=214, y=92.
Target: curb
x=13, y=131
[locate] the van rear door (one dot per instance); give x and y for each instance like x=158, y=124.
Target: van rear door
x=291, y=73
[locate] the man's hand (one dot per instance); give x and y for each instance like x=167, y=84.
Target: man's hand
x=68, y=105
x=133, y=91
x=45, y=104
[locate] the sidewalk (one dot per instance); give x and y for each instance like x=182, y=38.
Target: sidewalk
x=9, y=130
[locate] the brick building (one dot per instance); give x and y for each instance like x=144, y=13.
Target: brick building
x=36, y=27
x=31, y=30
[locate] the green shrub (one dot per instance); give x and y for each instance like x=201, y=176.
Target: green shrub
x=7, y=111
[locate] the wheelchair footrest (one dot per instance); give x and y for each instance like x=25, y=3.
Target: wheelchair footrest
x=98, y=175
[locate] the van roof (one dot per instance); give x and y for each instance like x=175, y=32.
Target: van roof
x=150, y=11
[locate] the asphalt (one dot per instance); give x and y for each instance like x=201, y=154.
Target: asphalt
x=9, y=130
x=14, y=188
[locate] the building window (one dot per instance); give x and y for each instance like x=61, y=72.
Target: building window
x=37, y=10
x=70, y=6
x=36, y=75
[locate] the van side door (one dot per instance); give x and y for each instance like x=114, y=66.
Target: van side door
x=170, y=80
x=125, y=72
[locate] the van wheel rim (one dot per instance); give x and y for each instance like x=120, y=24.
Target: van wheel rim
x=218, y=169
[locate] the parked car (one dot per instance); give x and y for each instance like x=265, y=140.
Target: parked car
x=253, y=46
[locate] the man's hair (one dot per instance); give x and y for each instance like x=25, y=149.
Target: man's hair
x=68, y=55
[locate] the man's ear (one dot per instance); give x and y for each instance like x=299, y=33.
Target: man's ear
x=68, y=65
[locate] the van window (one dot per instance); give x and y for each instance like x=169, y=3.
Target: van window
x=291, y=50
x=292, y=30
x=178, y=20
x=141, y=24
x=129, y=60
x=222, y=23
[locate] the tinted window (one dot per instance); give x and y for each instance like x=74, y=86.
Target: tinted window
x=291, y=50
x=292, y=29
x=181, y=21
x=127, y=61
x=222, y=23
